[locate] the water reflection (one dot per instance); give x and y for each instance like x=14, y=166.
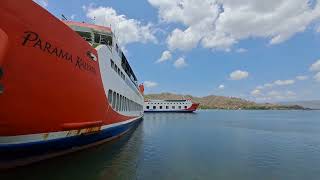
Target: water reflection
x=238, y=145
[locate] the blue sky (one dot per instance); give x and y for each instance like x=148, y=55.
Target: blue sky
x=261, y=51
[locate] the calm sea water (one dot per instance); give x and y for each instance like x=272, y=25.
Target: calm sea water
x=203, y=145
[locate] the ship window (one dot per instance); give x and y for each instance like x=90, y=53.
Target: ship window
x=110, y=96
x=122, y=75
x=122, y=104
x=154, y=107
x=85, y=35
x=116, y=68
x=104, y=39
x=179, y=107
x=114, y=100
x=173, y=107
x=121, y=99
x=160, y=107
x=97, y=38
x=148, y=107
x=118, y=102
x=185, y=107
x=112, y=64
x=127, y=104
x=167, y=107
x=119, y=71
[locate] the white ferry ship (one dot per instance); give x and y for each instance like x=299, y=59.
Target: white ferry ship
x=170, y=106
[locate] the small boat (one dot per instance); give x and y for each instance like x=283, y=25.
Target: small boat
x=64, y=86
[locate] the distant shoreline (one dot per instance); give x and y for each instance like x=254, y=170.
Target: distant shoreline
x=225, y=103
x=306, y=109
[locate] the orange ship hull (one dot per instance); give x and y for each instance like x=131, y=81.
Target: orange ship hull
x=49, y=83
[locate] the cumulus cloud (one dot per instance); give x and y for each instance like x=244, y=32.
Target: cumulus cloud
x=273, y=95
x=281, y=83
x=315, y=66
x=284, y=82
x=317, y=77
x=180, y=63
x=278, y=95
x=219, y=24
x=130, y=30
x=256, y=92
x=238, y=75
x=166, y=55
x=150, y=84
x=43, y=3
x=221, y=86
x=302, y=78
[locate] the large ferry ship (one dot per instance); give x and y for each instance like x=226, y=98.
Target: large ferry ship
x=170, y=106
x=64, y=85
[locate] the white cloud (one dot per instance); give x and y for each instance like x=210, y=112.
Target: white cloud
x=302, y=78
x=150, y=84
x=183, y=40
x=166, y=55
x=268, y=85
x=180, y=63
x=278, y=95
x=273, y=95
x=129, y=30
x=256, y=92
x=221, y=86
x=284, y=82
x=219, y=24
x=317, y=77
x=241, y=50
x=238, y=75
x=43, y=3
x=315, y=66
x=281, y=83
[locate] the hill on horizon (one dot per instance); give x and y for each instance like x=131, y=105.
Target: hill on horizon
x=312, y=104
x=221, y=102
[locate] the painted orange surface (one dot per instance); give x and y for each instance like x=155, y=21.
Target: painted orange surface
x=193, y=107
x=48, y=79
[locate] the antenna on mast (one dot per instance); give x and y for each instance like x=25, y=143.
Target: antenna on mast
x=63, y=17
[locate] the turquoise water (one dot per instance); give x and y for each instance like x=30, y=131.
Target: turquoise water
x=204, y=145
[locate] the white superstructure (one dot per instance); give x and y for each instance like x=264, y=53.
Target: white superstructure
x=170, y=106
